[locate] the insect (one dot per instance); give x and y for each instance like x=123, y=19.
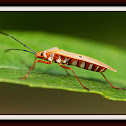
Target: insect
x=64, y=59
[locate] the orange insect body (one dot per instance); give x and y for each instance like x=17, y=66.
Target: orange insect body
x=64, y=59
x=61, y=56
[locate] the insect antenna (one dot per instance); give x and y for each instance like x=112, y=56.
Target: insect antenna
x=16, y=40
x=20, y=50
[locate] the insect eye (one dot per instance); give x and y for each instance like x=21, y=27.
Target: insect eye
x=42, y=54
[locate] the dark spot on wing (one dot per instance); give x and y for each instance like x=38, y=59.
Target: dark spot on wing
x=80, y=56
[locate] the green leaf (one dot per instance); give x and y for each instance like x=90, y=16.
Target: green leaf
x=53, y=76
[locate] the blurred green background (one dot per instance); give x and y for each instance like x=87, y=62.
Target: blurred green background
x=102, y=27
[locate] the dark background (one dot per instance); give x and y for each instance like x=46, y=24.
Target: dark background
x=102, y=27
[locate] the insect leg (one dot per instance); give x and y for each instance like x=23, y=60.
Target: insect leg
x=110, y=83
x=66, y=69
x=67, y=72
x=41, y=61
x=28, y=66
x=74, y=75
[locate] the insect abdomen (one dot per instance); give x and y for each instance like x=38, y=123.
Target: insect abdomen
x=86, y=65
x=79, y=63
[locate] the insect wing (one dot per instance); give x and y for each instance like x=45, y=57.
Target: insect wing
x=82, y=58
x=53, y=49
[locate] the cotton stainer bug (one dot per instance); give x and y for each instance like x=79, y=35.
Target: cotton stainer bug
x=66, y=58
